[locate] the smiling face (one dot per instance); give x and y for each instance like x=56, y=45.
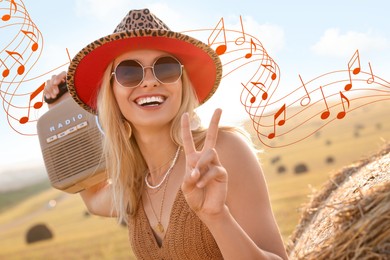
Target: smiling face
x=152, y=103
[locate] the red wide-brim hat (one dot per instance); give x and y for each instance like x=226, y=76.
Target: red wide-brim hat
x=140, y=29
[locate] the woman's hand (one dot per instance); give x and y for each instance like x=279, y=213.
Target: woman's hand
x=205, y=181
x=51, y=89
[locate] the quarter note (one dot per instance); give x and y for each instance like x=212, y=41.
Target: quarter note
x=221, y=49
x=325, y=114
x=35, y=46
x=36, y=105
x=307, y=97
x=355, y=59
x=248, y=55
x=342, y=114
x=281, y=122
x=6, y=17
x=21, y=67
x=268, y=66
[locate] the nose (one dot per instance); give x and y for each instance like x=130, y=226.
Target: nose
x=149, y=78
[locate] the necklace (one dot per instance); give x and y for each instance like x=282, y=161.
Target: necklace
x=159, y=226
x=166, y=174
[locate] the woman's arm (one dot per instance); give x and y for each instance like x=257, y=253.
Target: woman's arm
x=246, y=229
x=224, y=185
x=97, y=199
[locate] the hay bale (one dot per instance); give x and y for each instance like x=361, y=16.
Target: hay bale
x=301, y=168
x=350, y=216
x=38, y=233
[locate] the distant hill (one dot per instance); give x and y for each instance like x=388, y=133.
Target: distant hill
x=11, y=180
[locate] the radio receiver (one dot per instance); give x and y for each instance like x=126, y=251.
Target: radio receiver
x=71, y=144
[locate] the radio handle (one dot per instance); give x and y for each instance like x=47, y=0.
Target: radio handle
x=63, y=88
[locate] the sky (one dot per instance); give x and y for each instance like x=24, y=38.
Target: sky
x=306, y=38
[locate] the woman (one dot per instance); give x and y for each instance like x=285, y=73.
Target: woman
x=185, y=192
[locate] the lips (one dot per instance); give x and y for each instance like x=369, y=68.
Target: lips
x=150, y=100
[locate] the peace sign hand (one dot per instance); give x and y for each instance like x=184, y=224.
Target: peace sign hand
x=205, y=182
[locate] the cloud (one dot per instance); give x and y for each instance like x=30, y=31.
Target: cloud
x=334, y=43
x=270, y=35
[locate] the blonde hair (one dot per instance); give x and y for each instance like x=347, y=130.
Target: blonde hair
x=125, y=164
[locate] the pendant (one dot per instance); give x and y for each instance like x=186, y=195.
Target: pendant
x=160, y=227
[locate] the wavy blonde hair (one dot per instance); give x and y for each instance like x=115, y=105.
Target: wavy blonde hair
x=125, y=164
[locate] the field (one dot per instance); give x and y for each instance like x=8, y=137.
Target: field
x=77, y=235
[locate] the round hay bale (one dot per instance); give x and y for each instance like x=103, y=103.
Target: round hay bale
x=38, y=233
x=281, y=169
x=300, y=168
x=349, y=218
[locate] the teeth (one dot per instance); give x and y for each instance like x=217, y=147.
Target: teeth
x=155, y=100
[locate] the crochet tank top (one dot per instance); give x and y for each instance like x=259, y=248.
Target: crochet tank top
x=186, y=237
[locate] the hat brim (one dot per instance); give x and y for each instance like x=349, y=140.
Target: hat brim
x=86, y=70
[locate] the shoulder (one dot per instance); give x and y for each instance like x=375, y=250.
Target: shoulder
x=234, y=142
x=240, y=159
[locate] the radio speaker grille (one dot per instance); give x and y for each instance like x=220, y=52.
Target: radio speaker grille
x=71, y=145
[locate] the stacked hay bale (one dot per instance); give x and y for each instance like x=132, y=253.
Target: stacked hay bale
x=350, y=216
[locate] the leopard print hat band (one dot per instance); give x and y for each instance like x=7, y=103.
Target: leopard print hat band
x=140, y=29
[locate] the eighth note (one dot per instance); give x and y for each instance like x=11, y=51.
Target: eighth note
x=342, y=114
x=21, y=67
x=36, y=105
x=35, y=46
x=6, y=70
x=253, y=98
x=249, y=54
x=273, y=76
x=281, y=121
x=6, y=17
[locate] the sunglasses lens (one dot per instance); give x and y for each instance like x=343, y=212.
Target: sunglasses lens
x=167, y=70
x=129, y=73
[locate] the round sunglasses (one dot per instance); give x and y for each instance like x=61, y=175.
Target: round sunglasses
x=130, y=73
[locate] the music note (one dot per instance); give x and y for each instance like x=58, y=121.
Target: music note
x=307, y=93
x=342, y=114
x=325, y=114
x=281, y=121
x=273, y=76
x=36, y=105
x=248, y=55
x=355, y=71
x=371, y=79
x=265, y=94
x=243, y=34
x=6, y=71
x=221, y=49
x=35, y=46
x=253, y=98
x=21, y=67
x=6, y=17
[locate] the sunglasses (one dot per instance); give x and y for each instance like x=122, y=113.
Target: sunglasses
x=130, y=73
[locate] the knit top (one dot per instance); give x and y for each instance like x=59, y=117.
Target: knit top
x=186, y=237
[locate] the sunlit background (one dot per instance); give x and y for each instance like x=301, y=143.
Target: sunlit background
x=306, y=38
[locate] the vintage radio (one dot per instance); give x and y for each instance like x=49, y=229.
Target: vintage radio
x=71, y=144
